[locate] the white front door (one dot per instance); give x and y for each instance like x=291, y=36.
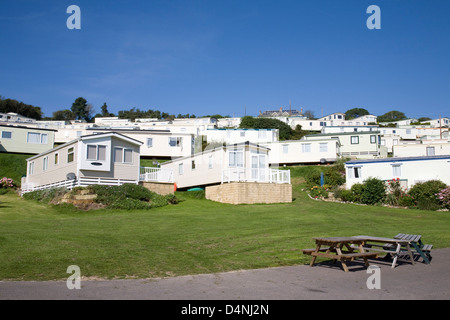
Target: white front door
x=259, y=167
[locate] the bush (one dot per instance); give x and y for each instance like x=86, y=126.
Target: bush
x=45, y=195
x=319, y=192
x=374, y=191
x=444, y=197
x=357, y=189
x=7, y=183
x=425, y=194
x=347, y=196
x=332, y=176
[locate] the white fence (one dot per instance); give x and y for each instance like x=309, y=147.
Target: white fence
x=81, y=182
x=150, y=174
x=256, y=175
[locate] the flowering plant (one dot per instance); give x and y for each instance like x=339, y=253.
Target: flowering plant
x=444, y=197
x=7, y=183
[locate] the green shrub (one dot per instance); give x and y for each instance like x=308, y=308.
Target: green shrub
x=425, y=194
x=374, y=191
x=45, y=195
x=347, y=196
x=331, y=175
x=129, y=204
x=357, y=189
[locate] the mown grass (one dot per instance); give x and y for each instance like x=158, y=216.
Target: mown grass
x=39, y=241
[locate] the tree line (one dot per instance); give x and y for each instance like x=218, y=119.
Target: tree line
x=82, y=110
x=26, y=110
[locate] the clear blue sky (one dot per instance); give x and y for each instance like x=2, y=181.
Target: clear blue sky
x=228, y=56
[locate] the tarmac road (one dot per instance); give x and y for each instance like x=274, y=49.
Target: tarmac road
x=324, y=281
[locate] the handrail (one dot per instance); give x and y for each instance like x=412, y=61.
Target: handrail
x=150, y=174
x=238, y=174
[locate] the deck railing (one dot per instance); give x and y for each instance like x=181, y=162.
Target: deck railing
x=256, y=175
x=149, y=174
x=81, y=182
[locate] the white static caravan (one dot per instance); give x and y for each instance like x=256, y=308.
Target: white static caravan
x=302, y=151
x=410, y=170
x=357, y=145
x=238, y=162
x=426, y=148
x=231, y=136
x=108, y=158
x=158, y=144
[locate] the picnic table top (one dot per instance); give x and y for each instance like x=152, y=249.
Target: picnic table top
x=382, y=239
x=338, y=239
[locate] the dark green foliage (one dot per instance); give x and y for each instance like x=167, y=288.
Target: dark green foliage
x=425, y=194
x=391, y=116
x=346, y=195
x=130, y=196
x=374, y=191
x=26, y=110
x=357, y=190
x=79, y=108
x=355, y=113
x=285, y=131
x=45, y=195
x=333, y=176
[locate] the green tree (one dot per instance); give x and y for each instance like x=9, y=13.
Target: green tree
x=392, y=116
x=65, y=114
x=105, y=112
x=80, y=109
x=355, y=113
x=284, y=130
x=26, y=110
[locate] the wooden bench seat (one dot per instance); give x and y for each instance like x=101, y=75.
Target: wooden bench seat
x=354, y=255
x=309, y=251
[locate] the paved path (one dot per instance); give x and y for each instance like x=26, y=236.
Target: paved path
x=301, y=282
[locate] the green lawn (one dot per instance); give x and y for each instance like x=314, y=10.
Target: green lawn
x=13, y=166
x=39, y=241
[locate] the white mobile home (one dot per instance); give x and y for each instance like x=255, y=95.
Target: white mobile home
x=410, y=170
x=359, y=145
x=324, y=150
x=231, y=136
x=429, y=148
x=238, y=162
x=161, y=144
x=108, y=158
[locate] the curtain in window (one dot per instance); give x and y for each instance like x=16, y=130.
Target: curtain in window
x=33, y=137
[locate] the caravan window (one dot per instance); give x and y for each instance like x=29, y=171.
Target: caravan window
x=236, y=158
x=70, y=153
x=96, y=152
x=396, y=170
x=123, y=155
x=6, y=134
x=354, y=172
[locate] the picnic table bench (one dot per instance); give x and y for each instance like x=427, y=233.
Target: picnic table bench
x=423, y=250
x=333, y=248
x=401, y=245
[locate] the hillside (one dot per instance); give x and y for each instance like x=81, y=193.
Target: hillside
x=13, y=166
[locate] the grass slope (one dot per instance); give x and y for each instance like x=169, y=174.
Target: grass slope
x=39, y=242
x=13, y=166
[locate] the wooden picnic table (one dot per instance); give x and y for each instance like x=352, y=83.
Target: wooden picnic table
x=423, y=250
x=340, y=248
x=393, y=247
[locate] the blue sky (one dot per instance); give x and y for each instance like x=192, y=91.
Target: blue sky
x=228, y=57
